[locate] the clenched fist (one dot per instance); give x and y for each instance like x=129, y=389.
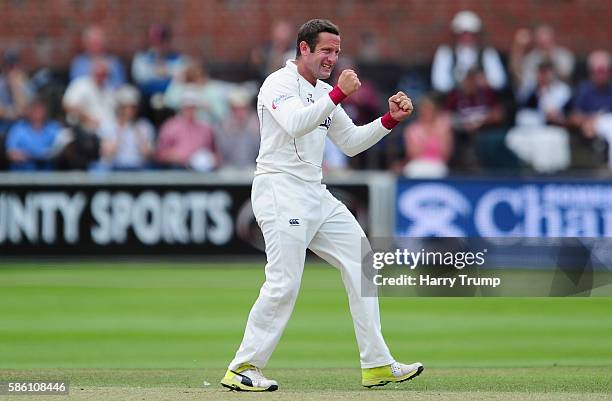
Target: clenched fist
x=400, y=106
x=348, y=82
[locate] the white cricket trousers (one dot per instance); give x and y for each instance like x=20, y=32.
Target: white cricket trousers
x=295, y=215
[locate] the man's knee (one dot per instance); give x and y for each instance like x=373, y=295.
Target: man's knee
x=282, y=293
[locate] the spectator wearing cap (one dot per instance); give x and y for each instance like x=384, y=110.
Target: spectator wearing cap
x=185, y=142
x=89, y=102
x=15, y=91
x=154, y=68
x=127, y=143
x=452, y=62
x=592, y=103
x=94, y=45
x=238, y=135
x=30, y=141
x=524, y=63
x=212, y=94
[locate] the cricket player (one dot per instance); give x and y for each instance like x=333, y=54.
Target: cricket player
x=295, y=211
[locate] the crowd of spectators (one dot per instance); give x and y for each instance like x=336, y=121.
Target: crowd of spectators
x=167, y=113
x=479, y=111
x=533, y=112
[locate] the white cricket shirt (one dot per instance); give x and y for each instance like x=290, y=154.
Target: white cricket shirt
x=294, y=119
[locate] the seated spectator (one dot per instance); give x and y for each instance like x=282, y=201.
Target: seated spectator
x=238, y=135
x=545, y=102
x=524, y=64
x=89, y=104
x=452, y=62
x=592, y=104
x=88, y=101
x=154, y=68
x=30, y=141
x=94, y=46
x=540, y=123
x=476, y=116
x=185, y=142
x=127, y=144
x=428, y=141
x=15, y=91
x=212, y=94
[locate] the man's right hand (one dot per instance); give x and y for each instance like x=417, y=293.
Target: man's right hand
x=348, y=82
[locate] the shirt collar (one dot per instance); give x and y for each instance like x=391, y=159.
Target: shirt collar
x=292, y=66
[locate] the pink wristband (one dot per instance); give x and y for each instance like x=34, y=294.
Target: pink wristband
x=337, y=95
x=388, y=122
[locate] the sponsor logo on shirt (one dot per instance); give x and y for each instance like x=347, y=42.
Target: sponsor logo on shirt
x=327, y=123
x=280, y=99
x=294, y=222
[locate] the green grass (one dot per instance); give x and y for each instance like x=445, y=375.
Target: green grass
x=114, y=329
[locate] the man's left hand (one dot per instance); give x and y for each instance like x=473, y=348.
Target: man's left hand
x=400, y=106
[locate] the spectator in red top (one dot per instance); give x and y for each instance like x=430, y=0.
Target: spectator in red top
x=474, y=105
x=363, y=106
x=184, y=142
x=477, y=116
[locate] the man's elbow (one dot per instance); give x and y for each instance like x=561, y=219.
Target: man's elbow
x=295, y=131
x=351, y=152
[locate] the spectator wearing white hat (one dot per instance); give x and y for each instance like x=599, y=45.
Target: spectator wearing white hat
x=127, y=142
x=452, y=62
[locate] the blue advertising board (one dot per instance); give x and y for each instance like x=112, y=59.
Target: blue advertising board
x=503, y=208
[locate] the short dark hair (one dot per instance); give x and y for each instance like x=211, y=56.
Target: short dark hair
x=309, y=33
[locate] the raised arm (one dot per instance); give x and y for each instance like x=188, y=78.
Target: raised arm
x=352, y=139
x=283, y=102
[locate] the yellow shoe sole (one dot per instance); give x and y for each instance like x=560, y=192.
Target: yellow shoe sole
x=381, y=381
x=229, y=382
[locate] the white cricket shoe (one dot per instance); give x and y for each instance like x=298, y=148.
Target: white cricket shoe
x=248, y=378
x=393, y=373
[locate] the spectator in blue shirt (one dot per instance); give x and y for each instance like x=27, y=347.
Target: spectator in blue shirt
x=592, y=106
x=94, y=44
x=595, y=94
x=15, y=90
x=154, y=68
x=29, y=141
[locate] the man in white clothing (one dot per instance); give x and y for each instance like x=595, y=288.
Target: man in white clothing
x=296, y=212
